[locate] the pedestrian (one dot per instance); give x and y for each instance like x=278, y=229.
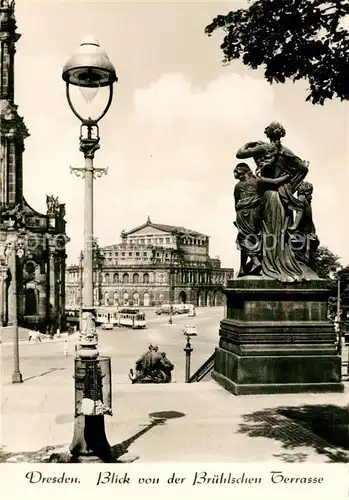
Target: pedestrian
x=65, y=348
x=30, y=334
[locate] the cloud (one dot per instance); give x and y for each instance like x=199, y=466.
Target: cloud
x=229, y=100
x=181, y=131
x=178, y=146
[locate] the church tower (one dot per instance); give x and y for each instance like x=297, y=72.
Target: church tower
x=40, y=272
x=12, y=128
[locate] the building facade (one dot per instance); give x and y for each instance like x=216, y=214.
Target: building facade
x=38, y=280
x=154, y=264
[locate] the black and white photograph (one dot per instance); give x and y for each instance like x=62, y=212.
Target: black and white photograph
x=174, y=248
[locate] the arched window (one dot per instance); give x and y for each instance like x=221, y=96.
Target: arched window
x=125, y=299
x=145, y=278
x=146, y=299
x=116, y=299
x=106, y=278
x=135, y=278
x=106, y=299
x=136, y=299
x=125, y=278
x=116, y=278
x=183, y=297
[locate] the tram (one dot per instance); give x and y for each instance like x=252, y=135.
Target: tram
x=131, y=317
x=106, y=315
x=126, y=316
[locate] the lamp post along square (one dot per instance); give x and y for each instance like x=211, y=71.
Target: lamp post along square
x=14, y=253
x=90, y=69
x=189, y=331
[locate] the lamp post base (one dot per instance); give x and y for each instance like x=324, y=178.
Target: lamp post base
x=89, y=438
x=17, y=378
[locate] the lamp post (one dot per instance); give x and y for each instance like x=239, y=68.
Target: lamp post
x=89, y=70
x=14, y=247
x=189, y=331
x=81, y=258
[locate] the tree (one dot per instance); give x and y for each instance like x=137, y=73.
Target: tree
x=327, y=266
x=343, y=275
x=326, y=263
x=291, y=39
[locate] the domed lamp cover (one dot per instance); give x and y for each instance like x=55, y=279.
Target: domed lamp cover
x=89, y=67
x=89, y=70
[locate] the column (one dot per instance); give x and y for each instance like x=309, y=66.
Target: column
x=3, y=276
x=52, y=280
x=43, y=299
x=3, y=171
x=61, y=302
x=99, y=285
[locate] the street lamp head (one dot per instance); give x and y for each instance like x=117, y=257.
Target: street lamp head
x=190, y=331
x=89, y=67
x=89, y=70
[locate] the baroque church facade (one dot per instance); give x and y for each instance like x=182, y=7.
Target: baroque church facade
x=38, y=279
x=153, y=264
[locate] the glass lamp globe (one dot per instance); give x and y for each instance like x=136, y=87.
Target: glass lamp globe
x=90, y=70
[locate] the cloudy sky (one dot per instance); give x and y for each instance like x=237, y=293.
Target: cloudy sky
x=177, y=119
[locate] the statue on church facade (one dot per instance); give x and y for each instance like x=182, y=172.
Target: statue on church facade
x=269, y=215
x=12, y=217
x=52, y=204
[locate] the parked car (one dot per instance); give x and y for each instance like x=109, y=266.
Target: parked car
x=107, y=326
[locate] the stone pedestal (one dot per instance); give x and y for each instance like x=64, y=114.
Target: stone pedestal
x=276, y=339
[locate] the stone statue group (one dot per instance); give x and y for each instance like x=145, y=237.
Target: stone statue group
x=276, y=233
x=54, y=207
x=153, y=367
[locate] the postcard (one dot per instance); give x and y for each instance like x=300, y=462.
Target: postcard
x=174, y=266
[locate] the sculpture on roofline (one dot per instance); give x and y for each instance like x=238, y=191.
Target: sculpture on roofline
x=52, y=204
